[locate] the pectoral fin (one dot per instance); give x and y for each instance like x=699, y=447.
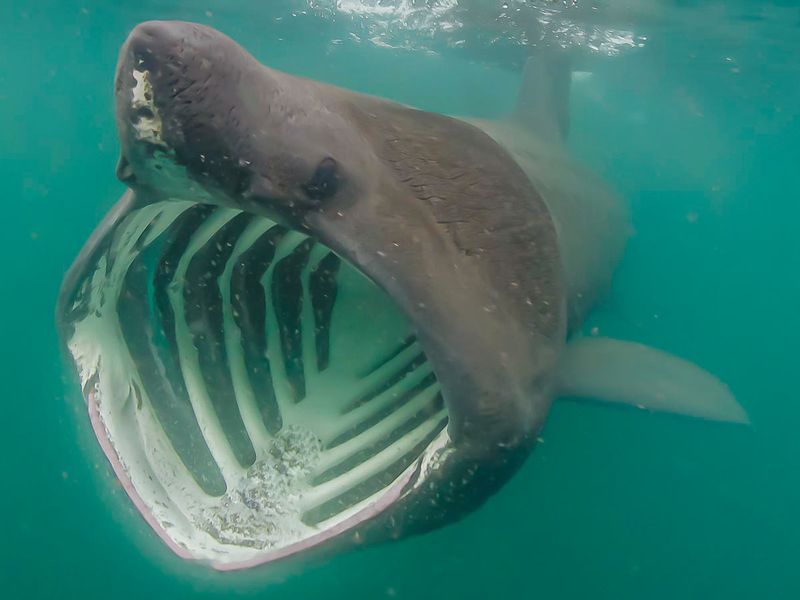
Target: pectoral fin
x=622, y=372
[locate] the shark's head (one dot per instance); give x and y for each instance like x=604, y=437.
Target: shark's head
x=196, y=113
x=314, y=318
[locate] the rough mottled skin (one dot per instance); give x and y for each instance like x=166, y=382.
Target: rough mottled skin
x=482, y=199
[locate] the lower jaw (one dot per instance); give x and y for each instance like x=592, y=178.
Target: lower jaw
x=256, y=395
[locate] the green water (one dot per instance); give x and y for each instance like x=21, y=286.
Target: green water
x=698, y=128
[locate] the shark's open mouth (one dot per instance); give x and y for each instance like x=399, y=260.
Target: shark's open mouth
x=255, y=393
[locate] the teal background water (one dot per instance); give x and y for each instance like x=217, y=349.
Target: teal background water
x=698, y=128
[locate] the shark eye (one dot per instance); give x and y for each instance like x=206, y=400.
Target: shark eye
x=325, y=181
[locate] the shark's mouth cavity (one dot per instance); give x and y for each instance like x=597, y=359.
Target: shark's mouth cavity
x=255, y=394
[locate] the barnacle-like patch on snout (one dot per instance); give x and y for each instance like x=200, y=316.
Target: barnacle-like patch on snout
x=146, y=121
x=255, y=394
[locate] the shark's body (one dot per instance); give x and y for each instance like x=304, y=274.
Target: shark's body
x=256, y=394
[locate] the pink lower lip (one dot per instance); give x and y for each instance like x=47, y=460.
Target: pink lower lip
x=122, y=476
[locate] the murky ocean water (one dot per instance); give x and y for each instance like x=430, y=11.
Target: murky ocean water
x=691, y=111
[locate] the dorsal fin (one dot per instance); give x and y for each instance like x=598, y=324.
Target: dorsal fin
x=543, y=100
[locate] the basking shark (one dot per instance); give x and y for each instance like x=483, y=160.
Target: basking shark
x=319, y=318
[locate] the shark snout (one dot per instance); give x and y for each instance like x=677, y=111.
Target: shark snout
x=176, y=101
x=153, y=43
x=174, y=55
